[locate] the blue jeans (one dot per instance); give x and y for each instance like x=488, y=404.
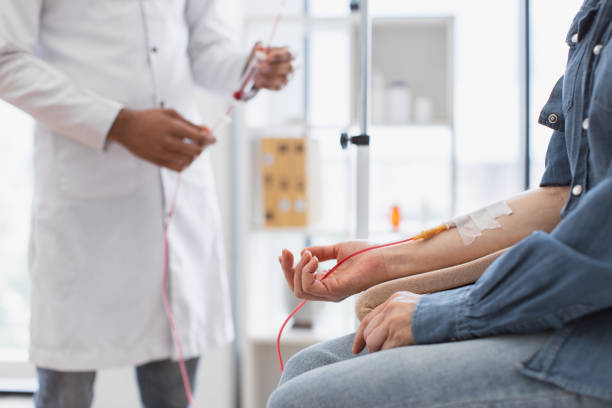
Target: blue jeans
x=160, y=385
x=468, y=374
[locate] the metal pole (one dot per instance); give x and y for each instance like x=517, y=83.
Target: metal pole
x=363, y=151
x=526, y=94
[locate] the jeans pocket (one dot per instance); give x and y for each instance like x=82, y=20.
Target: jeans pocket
x=578, y=29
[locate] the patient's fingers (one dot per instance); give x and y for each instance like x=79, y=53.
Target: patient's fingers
x=324, y=253
x=286, y=262
x=359, y=342
x=376, y=338
x=308, y=275
x=374, y=323
x=297, y=276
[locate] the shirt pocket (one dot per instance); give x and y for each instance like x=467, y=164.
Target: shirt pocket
x=579, y=28
x=602, y=86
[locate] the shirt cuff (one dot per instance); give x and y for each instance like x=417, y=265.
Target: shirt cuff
x=98, y=121
x=88, y=119
x=438, y=316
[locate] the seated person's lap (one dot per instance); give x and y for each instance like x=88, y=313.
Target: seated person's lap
x=475, y=373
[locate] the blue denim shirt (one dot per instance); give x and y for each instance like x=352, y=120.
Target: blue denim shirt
x=561, y=280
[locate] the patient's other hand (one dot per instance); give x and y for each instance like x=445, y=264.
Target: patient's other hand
x=389, y=325
x=354, y=276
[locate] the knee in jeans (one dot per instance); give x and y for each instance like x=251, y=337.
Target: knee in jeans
x=277, y=400
x=306, y=360
x=296, y=365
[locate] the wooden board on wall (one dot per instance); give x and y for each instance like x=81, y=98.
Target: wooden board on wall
x=284, y=182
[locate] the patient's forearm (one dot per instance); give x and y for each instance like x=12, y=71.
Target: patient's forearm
x=531, y=211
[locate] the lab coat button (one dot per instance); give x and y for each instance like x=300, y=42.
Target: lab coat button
x=154, y=49
x=552, y=118
x=162, y=104
x=577, y=190
x=575, y=38
x=585, y=124
x=597, y=49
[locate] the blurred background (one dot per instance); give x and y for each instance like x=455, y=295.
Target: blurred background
x=457, y=87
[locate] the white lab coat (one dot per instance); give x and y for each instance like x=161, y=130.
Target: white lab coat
x=97, y=231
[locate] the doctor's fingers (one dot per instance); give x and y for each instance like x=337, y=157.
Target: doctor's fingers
x=277, y=69
x=175, y=115
x=182, y=131
x=278, y=55
x=274, y=83
x=172, y=165
x=186, y=149
x=175, y=162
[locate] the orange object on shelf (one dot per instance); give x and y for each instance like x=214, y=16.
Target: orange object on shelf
x=396, y=217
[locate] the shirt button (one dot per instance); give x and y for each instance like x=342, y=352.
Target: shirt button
x=597, y=49
x=575, y=38
x=585, y=124
x=553, y=118
x=577, y=190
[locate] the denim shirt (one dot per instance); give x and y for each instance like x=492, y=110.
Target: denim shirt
x=561, y=280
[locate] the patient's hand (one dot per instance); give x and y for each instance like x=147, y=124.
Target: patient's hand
x=354, y=276
x=389, y=325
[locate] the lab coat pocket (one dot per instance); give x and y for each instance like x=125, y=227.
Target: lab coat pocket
x=88, y=174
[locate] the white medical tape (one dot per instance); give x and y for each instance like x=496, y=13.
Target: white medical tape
x=471, y=226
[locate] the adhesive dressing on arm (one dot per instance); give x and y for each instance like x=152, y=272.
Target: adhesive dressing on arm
x=472, y=225
x=469, y=226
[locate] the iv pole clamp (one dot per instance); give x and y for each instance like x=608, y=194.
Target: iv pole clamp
x=359, y=140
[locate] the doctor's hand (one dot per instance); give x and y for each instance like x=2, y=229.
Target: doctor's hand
x=353, y=276
x=276, y=70
x=389, y=325
x=160, y=136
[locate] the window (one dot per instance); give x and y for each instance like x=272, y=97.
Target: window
x=549, y=25
x=16, y=192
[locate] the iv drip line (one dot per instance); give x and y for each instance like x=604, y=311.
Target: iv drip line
x=248, y=78
x=422, y=236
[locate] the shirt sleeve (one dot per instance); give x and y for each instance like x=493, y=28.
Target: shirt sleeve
x=42, y=91
x=217, y=62
x=544, y=282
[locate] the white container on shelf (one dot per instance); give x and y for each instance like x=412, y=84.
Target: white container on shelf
x=399, y=103
x=423, y=110
x=378, y=98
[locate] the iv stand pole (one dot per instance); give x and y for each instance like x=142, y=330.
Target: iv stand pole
x=363, y=150
x=362, y=141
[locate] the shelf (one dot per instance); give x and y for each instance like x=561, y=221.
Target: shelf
x=296, y=337
x=297, y=128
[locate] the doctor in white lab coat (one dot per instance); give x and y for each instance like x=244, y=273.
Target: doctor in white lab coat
x=111, y=85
